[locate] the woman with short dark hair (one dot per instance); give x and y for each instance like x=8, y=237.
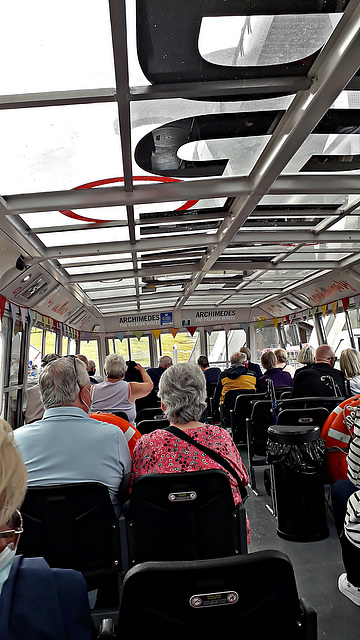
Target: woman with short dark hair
x=272, y=372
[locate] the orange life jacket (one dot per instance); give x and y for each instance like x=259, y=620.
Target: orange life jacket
x=130, y=432
x=337, y=432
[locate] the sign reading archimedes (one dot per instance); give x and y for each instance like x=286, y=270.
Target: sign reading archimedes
x=185, y=318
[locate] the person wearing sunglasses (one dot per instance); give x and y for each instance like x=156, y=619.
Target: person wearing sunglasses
x=321, y=379
x=67, y=445
x=35, y=600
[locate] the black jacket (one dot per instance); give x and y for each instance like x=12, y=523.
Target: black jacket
x=309, y=382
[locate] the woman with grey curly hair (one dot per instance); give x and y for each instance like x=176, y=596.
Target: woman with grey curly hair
x=182, y=390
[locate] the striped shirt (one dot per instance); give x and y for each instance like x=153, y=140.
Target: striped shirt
x=352, y=519
x=353, y=457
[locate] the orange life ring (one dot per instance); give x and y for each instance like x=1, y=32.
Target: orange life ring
x=336, y=432
x=130, y=432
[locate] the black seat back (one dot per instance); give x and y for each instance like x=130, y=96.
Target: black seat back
x=255, y=594
x=262, y=417
x=151, y=400
x=280, y=390
x=149, y=413
x=210, y=390
x=310, y=416
x=242, y=409
x=73, y=526
x=186, y=516
x=147, y=426
x=229, y=403
x=312, y=401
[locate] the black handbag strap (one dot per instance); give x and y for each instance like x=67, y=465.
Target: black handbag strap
x=212, y=454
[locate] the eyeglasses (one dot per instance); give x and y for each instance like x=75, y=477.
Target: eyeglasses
x=73, y=360
x=332, y=358
x=16, y=524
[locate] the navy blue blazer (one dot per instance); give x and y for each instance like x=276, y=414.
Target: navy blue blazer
x=39, y=602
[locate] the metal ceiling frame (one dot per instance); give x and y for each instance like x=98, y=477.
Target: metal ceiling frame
x=332, y=72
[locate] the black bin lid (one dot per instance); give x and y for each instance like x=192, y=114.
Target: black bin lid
x=293, y=434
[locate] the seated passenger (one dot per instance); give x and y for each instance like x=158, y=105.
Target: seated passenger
x=91, y=372
x=237, y=376
x=155, y=373
x=314, y=381
x=306, y=358
x=115, y=395
x=182, y=391
x=282, y=361
x=66, y=445
x=34, y=407
x=35, y=601
x=350, y=366
x=345, y=499
x=252, y=366
x=211, y=373
x=272, y=372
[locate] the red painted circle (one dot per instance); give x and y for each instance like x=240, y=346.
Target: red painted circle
x=98, y=183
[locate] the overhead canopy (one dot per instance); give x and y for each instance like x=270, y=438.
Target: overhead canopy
x=163, y=155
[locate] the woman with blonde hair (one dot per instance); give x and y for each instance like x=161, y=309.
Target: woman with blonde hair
x=35, y=601
x=350, y=366
x=306, y=358
x=282, y=361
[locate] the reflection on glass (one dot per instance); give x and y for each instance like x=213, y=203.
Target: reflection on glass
x=181, y=347
x=50, y=341
x=119, y=346
x=89, y=348
x=140, y=351
x=250, y=41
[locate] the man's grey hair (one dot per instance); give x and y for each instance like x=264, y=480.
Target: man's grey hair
x=238, y=358
x=115, y=366
x=165, y=360
x=182, y=389
x=58, y=384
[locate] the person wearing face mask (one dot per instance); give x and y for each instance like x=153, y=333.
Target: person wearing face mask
x=67, y=445
x=35, y=601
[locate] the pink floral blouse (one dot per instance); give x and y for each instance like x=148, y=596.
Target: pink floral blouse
x=162, y=452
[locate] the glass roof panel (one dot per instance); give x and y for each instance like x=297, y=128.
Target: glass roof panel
x=104, y=268
x=89, y=287
x=349, y=222
x=151, y=135
x=245, y=41
x=104, y=258
x=56, y=148
x=57, y=47
x=90, y=236
x=100, y=295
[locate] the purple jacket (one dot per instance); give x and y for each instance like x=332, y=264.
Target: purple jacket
x=280, y=379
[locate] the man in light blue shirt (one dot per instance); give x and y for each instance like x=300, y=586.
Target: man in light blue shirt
x=66, y=445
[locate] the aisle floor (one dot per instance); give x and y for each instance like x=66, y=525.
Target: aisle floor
x=317, y=566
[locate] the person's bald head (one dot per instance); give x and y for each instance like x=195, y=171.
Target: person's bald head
x=326, y=354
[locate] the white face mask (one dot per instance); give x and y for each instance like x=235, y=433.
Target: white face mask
x=7, y=556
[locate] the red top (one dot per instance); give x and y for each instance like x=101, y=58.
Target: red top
x=162, y=452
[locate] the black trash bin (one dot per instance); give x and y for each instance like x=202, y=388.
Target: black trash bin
x=296, y=455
